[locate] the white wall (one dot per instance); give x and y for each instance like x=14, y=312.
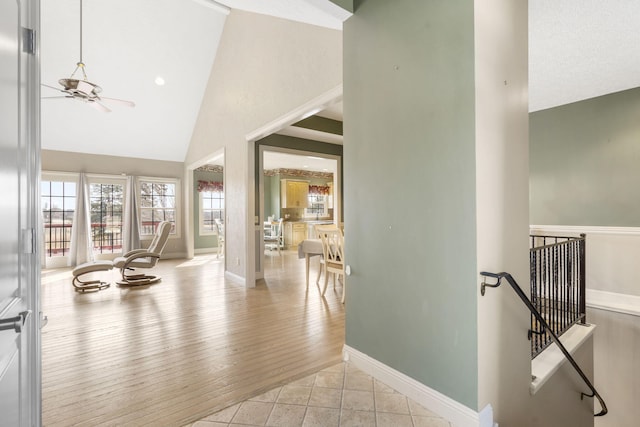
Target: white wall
x=502, y=166
x=265, y=67
x=616, y=356
x=558, y=402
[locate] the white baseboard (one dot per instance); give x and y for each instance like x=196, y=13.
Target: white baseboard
x=458, y=414
x=232, y=276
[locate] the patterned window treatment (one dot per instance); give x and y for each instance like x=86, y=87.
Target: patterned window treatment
x=81, y=250
x=319, y=190
x=212, y=186
x=131, y=225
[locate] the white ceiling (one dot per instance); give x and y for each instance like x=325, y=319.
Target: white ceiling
x=578, y=49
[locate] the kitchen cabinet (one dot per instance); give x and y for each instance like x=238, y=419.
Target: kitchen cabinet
x=294, y=233
x=294, y=194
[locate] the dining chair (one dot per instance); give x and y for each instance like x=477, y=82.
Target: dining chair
x=321, y=268
x=332, y=256
x=275, y=239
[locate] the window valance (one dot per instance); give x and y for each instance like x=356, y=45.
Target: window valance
x=211, y=186
x=319, y=190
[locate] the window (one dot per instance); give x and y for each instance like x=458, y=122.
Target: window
x=157, y=203
x=105, y=201
x=58, y=199
x=317, y=205
x=318, y=201
x=211, y=208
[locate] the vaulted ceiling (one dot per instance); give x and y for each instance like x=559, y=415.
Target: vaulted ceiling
x=578, y=49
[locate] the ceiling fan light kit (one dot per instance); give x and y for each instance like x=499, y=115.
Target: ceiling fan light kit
x=83, y=89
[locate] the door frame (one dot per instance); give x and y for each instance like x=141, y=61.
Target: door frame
x=254, y=269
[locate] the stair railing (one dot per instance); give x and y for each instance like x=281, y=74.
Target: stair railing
x=543, y=322
x=557, y=276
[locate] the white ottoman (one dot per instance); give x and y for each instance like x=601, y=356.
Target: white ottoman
x=90, y=267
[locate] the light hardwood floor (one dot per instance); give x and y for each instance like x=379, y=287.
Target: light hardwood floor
x=179, y=350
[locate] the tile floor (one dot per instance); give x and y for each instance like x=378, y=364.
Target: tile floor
x=340, y=395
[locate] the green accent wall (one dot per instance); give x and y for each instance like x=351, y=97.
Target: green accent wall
x=584, y=161
x=345, y=4
x=322, y=124
x=272, y=196
x=206, y=241
x=409, y=190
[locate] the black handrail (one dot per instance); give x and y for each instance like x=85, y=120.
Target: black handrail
x=538, y=316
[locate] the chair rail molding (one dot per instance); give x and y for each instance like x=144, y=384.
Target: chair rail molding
x=588, y=229
x=613, y=301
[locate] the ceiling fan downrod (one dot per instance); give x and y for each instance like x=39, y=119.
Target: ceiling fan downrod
x=80, y=64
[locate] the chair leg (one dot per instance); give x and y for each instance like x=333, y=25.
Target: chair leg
x=326, y=280
x=89, y=285
x=320, y=267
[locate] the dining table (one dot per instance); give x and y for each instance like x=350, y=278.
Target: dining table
x=309, y=248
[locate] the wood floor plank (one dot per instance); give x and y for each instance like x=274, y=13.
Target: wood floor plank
x=174, y=352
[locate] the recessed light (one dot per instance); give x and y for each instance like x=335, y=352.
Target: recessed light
x=159, y=81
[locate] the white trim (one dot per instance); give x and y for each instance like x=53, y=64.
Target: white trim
x=331, y=9
x=103, y=178
x=449, y=409
x=236, y=278
x=551, y=359
x=577, y=229
x=212, y=4
x=312, y=134
x=302, y=112
x=612, y=301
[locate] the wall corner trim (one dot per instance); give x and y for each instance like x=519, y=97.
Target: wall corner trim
x=449, y=409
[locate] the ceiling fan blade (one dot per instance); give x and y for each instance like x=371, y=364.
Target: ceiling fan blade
x=99, y=106
x=56, y=97
x=119, y=101
x=52, y=87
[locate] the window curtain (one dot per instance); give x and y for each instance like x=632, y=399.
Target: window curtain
x=81, y=250
x=131, y=225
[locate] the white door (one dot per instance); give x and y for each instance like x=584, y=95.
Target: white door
x=19, y=169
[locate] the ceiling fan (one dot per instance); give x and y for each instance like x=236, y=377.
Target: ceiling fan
x=82, y=89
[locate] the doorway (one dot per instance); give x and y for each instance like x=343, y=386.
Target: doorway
x=316, y=179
